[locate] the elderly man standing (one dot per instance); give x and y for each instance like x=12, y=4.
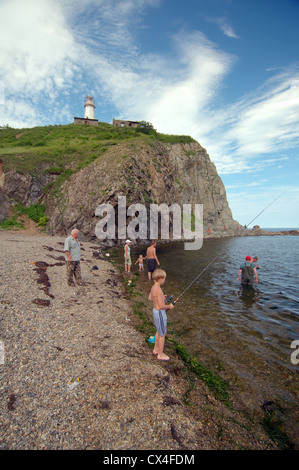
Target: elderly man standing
x=72, y=252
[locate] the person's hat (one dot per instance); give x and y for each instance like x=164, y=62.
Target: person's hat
x=248, y=258
x=128, y=241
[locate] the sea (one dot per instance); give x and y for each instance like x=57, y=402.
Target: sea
x=250, y=337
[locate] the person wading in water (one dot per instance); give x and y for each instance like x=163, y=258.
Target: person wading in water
x=246, y=272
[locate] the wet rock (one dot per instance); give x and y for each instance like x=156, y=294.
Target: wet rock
x=41, y=302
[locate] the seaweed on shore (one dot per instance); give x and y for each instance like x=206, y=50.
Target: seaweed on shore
x=218, y=386
x=273, y=425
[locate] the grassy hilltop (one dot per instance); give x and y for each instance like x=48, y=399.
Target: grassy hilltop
x=68, y=148
x=50, y=155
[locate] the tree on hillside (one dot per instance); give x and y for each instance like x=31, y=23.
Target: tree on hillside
x=146, y=128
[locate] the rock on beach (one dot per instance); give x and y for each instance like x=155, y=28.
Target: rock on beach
x=76, y=374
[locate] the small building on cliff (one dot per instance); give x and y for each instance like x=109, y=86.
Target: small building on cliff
x=120, y=123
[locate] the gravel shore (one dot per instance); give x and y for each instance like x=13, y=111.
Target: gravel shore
x=76, y=374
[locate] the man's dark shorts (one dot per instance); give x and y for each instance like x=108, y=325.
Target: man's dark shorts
x=151, y=265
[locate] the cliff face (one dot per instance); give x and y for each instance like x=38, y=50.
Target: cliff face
x=145, y=171
x=157, y=173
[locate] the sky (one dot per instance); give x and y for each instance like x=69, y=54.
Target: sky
x=225, y=72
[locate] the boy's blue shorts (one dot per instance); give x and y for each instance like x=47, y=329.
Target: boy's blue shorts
x=160, y=319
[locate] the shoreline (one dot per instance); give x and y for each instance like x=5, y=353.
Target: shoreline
x=79, y=374
x=259, y=232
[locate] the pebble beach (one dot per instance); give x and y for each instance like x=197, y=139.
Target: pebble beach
x=76, y=374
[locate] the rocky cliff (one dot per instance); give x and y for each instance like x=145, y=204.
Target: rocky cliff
x=145, y=170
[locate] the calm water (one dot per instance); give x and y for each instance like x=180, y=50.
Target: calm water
x=267, y=314
x=245, y=334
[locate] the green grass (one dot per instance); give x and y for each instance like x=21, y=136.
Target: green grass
x=145, y=326
x=218, y=386
x=11, y=223
x=273, y=426
x=57, y=148
x=175, y=139
x=35, y=212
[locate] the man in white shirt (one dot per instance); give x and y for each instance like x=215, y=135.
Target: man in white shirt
x=72, y=257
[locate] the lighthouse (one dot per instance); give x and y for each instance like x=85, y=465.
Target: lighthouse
x=89, y=108
x=89, y=117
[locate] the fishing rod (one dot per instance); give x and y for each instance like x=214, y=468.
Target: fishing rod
x=265, y=209
x=202, y=272
x=169, y=299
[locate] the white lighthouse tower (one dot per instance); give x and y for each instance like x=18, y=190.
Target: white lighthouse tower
x=89, y=118
x=89, y=108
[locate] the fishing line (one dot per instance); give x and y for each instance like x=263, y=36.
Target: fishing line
x=265, y=209
x=213, y=260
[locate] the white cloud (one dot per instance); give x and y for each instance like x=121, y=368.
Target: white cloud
x=20, y=112
x=245, y=185
x=38, y=47
x=270, y=121
x=38, y=58
x=177, y=96
x=52, y=48
x=260, y=124
x=107, y=27
x=224, y=26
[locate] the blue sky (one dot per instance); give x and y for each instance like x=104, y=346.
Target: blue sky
x=225, y=72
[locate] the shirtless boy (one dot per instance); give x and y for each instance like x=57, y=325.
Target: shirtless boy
x=140, y=262
x=159, y=313
x=152, y=260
